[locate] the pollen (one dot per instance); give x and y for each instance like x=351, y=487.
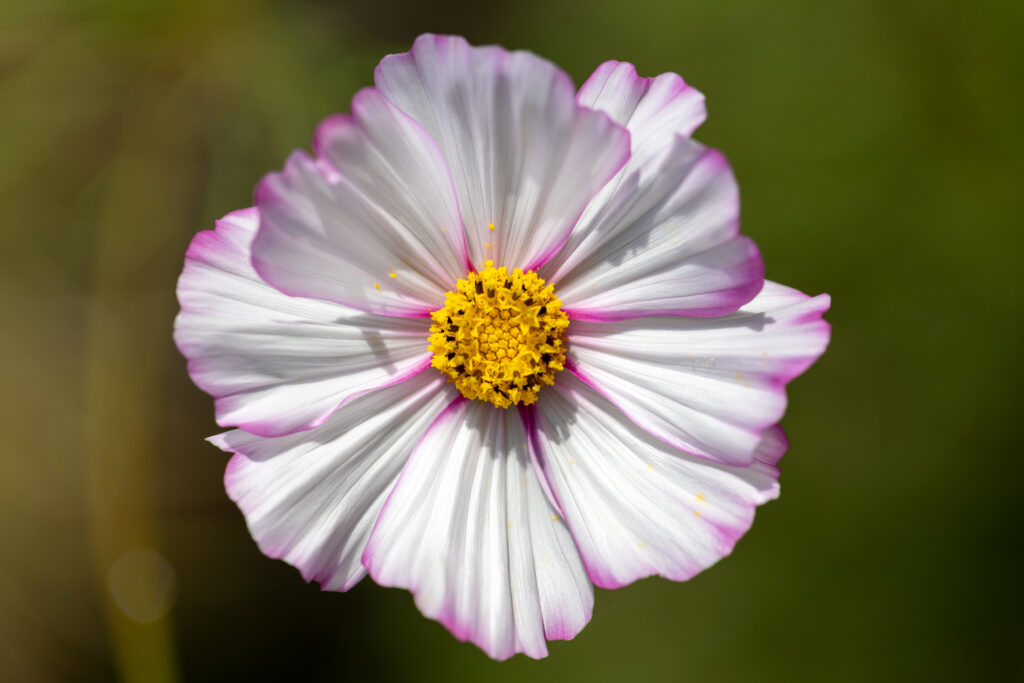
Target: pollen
x=500, y=336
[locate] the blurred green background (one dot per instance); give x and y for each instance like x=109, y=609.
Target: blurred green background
x=878, y=146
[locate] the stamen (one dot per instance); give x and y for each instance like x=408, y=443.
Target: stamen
x=500, y=336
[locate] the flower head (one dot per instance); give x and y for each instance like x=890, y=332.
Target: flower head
x=500, y=336
x=497, y=342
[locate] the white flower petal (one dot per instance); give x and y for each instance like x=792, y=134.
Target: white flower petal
x=662, y=237
x=655, y=110
x=666, y=243
x=373, y=225
x=636, y=506
x=524, y=156
x=277, y=364
x=469, y=530
x=706, y=386
x=311, y=499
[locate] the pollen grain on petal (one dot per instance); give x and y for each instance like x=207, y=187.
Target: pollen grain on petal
x=500, y=336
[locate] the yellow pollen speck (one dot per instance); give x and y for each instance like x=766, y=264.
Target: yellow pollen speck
x=377, y=286
x=444, y=230
x=487, y=245
x=500, y=336
x=490, y=226
x=554, y=518
x=700, y=498
x=393, y=275
x=696, y=513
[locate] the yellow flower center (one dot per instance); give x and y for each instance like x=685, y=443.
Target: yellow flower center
x=500, y=336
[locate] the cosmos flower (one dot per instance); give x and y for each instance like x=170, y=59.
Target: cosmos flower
x=497, y=341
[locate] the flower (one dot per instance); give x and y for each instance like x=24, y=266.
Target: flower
x=497, y=342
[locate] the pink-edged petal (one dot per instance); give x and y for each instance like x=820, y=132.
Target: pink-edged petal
x=707, y=386
x=311, y=499
x=525, y=157
x=666, y=243
x=277, y=364
x=654, y=109
x=374, y=224
x=468, y=529
x=636, y=506
x=662, y=238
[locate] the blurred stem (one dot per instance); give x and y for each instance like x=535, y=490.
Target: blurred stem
x=130, y=312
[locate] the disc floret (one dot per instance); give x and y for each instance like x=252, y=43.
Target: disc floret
x=500, y=336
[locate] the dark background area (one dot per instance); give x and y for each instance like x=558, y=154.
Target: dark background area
x=878, y=147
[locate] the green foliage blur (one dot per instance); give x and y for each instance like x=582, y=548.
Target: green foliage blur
x=878, y=146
